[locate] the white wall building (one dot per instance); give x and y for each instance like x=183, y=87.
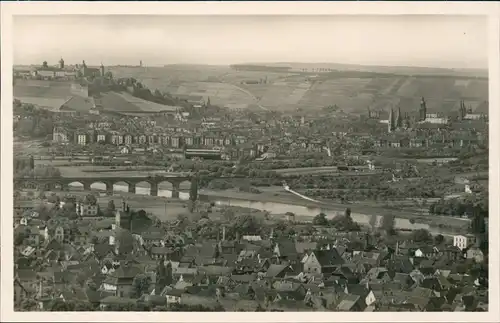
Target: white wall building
x=463, y=241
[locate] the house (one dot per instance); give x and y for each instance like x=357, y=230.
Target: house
x=125, y=150
x=426, y=252
x=58, y=232
x=377, y=275
x=153, y=238
x=475, y=253
x=452, y=253
x=463, y=241
x=120, y=281
x=24, y=220
x=173, y=296
x=286, y=250
x=362, y=291
x=351, y=303
x=111, y=301
x=86, y=209
x=322, y=261
x=278, y=271
x=28, y=251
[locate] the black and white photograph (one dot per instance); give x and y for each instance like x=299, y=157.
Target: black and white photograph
x=248, y=163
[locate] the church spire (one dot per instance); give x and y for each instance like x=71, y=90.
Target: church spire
x=390, y=125
x=399, y=119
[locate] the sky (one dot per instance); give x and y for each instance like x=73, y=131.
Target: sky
x=411, y=40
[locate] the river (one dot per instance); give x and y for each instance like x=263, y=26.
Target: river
x=273, y=208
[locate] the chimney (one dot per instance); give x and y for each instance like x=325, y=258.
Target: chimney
x=223, y=233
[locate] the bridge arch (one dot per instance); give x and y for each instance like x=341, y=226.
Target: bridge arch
x=174, y=188
x=31, y=185
x=101, y=186
x=98, y=186
x=75, y=186
x=143, y=187
x=57, y=186
x=122, y=186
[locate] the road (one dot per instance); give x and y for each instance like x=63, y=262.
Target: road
x=246, y=92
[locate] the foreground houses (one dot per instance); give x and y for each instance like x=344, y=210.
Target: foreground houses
x=165, y=267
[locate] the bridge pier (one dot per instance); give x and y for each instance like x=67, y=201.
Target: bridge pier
x=154, y=189
x=175, y=190
x=109, y=189
x=131, y=188
x=86, y=186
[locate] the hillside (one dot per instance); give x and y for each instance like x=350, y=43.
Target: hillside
x=53, y=94
x=397, y=70
x=289, y=91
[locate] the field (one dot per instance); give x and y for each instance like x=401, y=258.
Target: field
x=289, y=91
x=45, y=89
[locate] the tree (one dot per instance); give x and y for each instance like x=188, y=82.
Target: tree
x=478, y=224
x=373, y=221
x=91, y=199
x=141, y=284
x=193, y=191
x=345, y=222
x=246, y=224
x=41, y=195
x=32, y=162
x=421, y=235
x=19, y=237
x=388, y=224
x=320, y=219
x=28, y=305
x=111, y=206
x=439, y=239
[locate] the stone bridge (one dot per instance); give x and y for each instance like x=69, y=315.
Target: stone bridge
x=63, y=182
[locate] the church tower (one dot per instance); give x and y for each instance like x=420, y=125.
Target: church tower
x=423, y=110
x=399, y=119
x=390, y=124
x=463, y=110
x=61, y=63
x=102, y=70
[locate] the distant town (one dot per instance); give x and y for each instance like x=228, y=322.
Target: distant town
x=222, y=191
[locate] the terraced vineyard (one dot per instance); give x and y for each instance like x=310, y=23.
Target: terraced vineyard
x=289, y=91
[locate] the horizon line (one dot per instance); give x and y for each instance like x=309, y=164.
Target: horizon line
x=262, y=64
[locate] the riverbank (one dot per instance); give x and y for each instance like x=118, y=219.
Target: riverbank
x=288, y=198
x=271, y=197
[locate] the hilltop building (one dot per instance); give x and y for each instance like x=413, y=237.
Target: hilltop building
x=62, y=71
